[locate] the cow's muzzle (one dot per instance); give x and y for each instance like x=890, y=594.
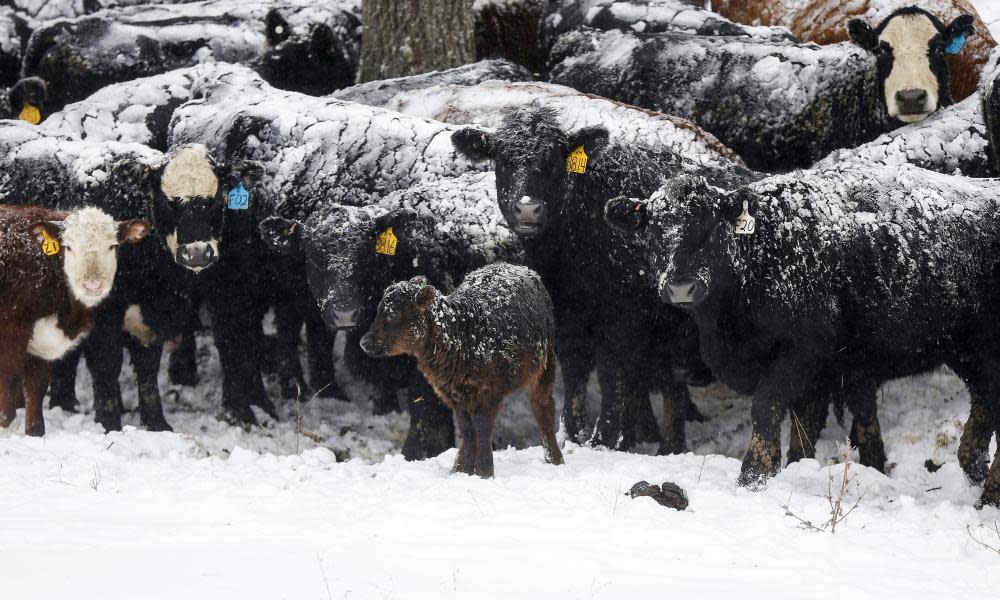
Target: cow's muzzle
x=912, y=102
x=197, y=255
x=529, y=216
x=373, y=346
x=684, y=291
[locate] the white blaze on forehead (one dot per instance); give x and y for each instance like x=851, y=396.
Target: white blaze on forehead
x=89, y=237
x=910, y=36
x=189, y=174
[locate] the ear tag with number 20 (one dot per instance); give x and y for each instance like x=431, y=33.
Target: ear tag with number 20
x=239, y=198
x=577, y=161
x=50, y=245
x=745, y=224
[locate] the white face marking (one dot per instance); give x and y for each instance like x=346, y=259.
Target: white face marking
x=196, y=247
x=172, y=243
x=90, y=254
x=136, y=326
x=48, y=342
x=909, y=36
x=189, y=174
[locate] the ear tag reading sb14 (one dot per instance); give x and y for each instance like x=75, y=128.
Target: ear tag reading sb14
x=239, y=198
x=386, y=243
x=31, y=114
x=745, y=224
x=577, y=161
x=50, y=245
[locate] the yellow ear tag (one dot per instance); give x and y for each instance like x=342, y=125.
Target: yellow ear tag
x=31, y=114
x=50, y=245
x=577, y=161
x=386, y=242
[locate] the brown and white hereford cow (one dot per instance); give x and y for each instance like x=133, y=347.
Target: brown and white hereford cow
x=54, y=269
x=826, y=22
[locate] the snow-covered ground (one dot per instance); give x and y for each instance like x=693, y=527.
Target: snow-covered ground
x=330, y=509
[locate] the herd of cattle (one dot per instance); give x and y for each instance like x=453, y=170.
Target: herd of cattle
x=792, y=198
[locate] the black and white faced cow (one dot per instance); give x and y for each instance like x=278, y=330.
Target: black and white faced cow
x=911, y=46
x=830, y=281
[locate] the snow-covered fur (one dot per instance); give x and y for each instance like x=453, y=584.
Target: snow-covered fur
x=295, y=44
x=493, y=335
x=649, y=16
x=853, y=276
x=133, y=111
x=41, y=166
x=825, y=22
x=444, y=229
x=989, y=94
x=55, y=9
x=486, y=104
x=379, y=93
x=510, y=30
x=15, y=28
x=779, y=105
x=593, y=273
x=54, y=269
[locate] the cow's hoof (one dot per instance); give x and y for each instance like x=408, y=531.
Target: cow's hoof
x=991, y=498
x=109, y=422
x=156, y=424
x=668, y=447
x=426, y=444
x=574, y=427
x=976, y=468
x=606, y=436
x=66, y=404
x=239, y=415
x=753, y=480
x=35, y=429
x=267, y=406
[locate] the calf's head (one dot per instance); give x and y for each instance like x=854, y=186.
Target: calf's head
x=535, y=161
x=310, y=60
x=910, y=46
x=87, y=241
x=190, y=194
x=687, y=229
x=402, y=319
x=349, y=254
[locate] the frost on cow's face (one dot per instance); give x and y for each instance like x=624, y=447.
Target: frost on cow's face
x=910, y=46
x=687, y=230
x=531, y=154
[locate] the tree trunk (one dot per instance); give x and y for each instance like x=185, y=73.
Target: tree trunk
x=407, y=37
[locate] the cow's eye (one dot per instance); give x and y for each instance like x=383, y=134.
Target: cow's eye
x=67, y=248
x=112, y=246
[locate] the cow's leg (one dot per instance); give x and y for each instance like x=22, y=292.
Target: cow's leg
x=647, y=429
x=183, y=367
x=36, y=381
x=866, y=434
x=808, y=417
x=62, y=387
x=236, y=324
x=676, y=399
x=319, y=342
x=465, y=459
x=786, y=380
x=288, y=323
x=576, y=358
x=103, y=351
x=974, y=447
x=432, y=429
x=483, y=420
x=991, y=486
x=146, y=362
x=622, y=388
x=11, y=380
x=543, y=408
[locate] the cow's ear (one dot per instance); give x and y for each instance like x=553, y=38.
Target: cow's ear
x=398, y=219
x=593, y=140
x=473, y=143
x=957, y=32
x=322, y=41
x=277, y=28
x=281, y=234
x=133, y=171
x=250, y=172
x=27, y=99
x=44, y=230
x=425, y=294
x=626, y=215
x=133, y=232
x=862, y=34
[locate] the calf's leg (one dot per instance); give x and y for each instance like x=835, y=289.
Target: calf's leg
x=465, y=459
x=577, y=362
x=11, y=378
x=183, y=367
x=676, y=400
x=62, y=387
x=543, y=408
x=866, y=434
x=483, y=419
x=103, y=350
x=36, y=381
x=319, y=343
x=146, y=361
x=432, y=429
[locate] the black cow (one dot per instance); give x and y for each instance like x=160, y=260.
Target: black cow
x=149, y=298
x=442, y=229
x=989, y=95
x=550, y=188
x=779, y=105
x=294, y=44
x=849, y=275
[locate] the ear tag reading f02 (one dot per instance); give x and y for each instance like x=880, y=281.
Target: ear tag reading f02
x=956, y=45
x=577, y=161
x=50, y=245
x=31, y=114
x=745, y=224
x=239, y=198
x=386, y=242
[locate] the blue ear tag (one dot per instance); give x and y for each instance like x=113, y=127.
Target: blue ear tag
x=239, y=198
x=956, y=45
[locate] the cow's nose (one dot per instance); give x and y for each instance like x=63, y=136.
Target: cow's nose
x=912, y=101
x=197, y=255
x=529, y=214
x=345, y=319
x=93, y=286
x=686, y=291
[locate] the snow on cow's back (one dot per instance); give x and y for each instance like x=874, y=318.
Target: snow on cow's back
x=315, y=150
x=486, y=104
